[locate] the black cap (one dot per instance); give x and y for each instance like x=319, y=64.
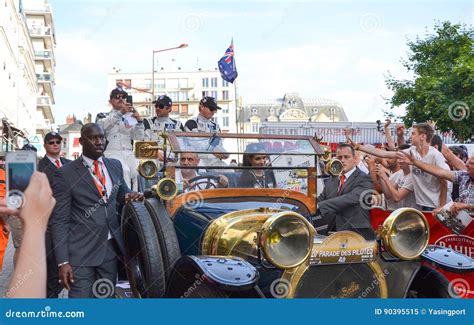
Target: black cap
x=52, y=135
x=163, y=100
x=209, y=102
x=118, y=91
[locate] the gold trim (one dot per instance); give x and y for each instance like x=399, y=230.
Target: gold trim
x=265, y=233
x=387, y=232
x=329, y=164
x=158, y=189
x=142, y=173
x=380, y=277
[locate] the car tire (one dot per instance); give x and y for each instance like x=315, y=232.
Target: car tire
x=429, y=283
x=143, y=257
x=166, y=234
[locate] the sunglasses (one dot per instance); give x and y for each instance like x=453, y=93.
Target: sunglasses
x=120, y=97
x=54, y=142
x=160, y=106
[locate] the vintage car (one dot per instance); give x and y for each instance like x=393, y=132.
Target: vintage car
x=200, y=237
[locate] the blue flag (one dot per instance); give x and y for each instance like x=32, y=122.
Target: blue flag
x=227, y=65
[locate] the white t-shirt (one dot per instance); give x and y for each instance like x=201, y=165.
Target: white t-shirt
x=400, y=180
x=427, y=186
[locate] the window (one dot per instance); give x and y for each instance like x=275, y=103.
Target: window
x=183, y=96
x=175, y=108
x=214, y=82
x=128, y=83
x=173, y=83
x=254, y=110
x=225, y=83
x=225, y=95
x=76, y=142
x=205, y=82
x=118, y=82
x=214, y=94
x=160, y=83
x=254, y=127
x=184, y=108
x=174, y=95
x=225, y=121
x=205, y=93
x=148, y=83
x=225, y=109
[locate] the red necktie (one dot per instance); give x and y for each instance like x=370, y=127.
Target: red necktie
x=101, y=186
x=342, y=178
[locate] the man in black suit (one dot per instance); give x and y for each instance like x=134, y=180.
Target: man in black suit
x=86, y=231
x=48, y=165
x=343, y=204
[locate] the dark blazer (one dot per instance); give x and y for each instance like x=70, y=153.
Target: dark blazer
x=346, y=210
x=81, y=220
x=46, y=166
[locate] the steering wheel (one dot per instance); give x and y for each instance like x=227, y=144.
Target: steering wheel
x=204, y=182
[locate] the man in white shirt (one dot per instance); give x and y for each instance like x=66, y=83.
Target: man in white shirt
x=430, y=191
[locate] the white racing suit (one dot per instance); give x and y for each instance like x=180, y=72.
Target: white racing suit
x=156, y=125
x=120, y=136
x=202, y=124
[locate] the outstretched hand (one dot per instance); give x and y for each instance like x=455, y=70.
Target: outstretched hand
x=405, y=157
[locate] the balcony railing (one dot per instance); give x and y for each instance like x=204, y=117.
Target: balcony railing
x=40, y=31
x=43, y=124
x=43, y=100
x=48, y=77
x=44, y=54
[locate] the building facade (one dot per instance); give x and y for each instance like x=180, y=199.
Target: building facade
x=185, y=88
x=39, y=19
x=254, y=114
x=26, y=71
x=17, y=72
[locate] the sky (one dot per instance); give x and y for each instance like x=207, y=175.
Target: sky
x=339, y=50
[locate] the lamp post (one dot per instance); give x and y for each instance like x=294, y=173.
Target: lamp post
x=182, y=46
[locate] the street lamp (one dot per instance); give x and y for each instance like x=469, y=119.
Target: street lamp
x=182, y=46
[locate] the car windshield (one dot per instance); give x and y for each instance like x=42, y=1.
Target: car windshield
x=209, y=161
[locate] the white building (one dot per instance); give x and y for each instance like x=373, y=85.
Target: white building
x=185, y=88
x=26, y=68
x=39, y=19
x=17, y=70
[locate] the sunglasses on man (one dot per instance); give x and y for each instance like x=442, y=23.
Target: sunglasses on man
x=121, y=97
x=54, y=142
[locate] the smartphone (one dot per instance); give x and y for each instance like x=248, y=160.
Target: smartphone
x=130, y=100
x=19, y=166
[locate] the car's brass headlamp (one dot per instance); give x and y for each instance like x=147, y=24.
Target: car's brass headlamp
x=147, y=169
x=166, y=189
x=405, y=233
x=286, y=239
x=334, y=167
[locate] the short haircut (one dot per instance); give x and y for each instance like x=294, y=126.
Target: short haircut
x=346, y=145
x=426, y=129
x=88, y=126
x=436, y=140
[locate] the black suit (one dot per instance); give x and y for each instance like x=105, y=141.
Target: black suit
x=46, y=166
x=81, y=222
x=53, y=287
x=347, y=209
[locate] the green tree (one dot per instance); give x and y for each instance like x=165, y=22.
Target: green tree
x=443, y=86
